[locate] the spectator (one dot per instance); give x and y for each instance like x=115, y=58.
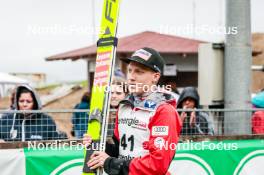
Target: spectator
x=258, y=100
x=118, y=91
x=173, y=88
x=80, y=119
x=27, y=126
x=119, y=73
x=194, y=123
x=258, y=116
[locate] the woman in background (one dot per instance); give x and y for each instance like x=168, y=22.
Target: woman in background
x=27, y=126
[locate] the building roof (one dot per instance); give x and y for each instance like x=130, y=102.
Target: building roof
x=10, y=79
x=126, y=45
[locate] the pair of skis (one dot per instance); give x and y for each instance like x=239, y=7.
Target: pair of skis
x=105, y=62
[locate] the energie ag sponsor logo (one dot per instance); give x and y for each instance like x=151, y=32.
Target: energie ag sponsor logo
x=133, y=122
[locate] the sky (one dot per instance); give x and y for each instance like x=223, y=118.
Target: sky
x=32, y=30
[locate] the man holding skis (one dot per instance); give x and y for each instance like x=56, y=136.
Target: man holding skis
x=147, y=125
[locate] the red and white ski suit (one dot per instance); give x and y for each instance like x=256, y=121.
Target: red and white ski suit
x=147, y=131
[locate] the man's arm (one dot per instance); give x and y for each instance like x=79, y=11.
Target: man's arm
x=112, y=149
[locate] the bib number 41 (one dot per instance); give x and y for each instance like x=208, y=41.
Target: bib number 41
x=124, y=142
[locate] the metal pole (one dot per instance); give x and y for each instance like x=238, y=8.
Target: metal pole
x=237, y=70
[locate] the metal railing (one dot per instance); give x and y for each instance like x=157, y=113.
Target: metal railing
x=64, y=124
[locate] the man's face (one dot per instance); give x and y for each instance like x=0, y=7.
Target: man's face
x=140, y=78
x=188, y=103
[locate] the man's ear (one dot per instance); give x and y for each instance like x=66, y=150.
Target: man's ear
x=156, y=77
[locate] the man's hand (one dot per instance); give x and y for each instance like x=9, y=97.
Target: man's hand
x=87, y=140
x=97, y=159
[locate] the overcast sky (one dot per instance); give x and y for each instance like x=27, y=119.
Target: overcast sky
x=34, y=29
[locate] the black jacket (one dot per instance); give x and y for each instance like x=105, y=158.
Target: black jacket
x=202, y=125
x=16, y=127
x=25, y=127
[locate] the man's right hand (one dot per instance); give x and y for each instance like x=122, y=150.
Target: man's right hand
x=87, y=140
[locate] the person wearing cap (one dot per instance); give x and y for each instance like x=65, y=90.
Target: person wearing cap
x=146, y=122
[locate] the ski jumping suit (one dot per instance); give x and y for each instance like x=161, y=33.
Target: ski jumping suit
x=146, y=133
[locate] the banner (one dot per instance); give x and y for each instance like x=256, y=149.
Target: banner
x=243, y=157
x=12, y=161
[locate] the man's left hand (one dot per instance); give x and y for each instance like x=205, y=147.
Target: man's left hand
x=97, y=160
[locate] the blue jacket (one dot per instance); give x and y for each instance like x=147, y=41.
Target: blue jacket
x=258, y=100
x=80, y=119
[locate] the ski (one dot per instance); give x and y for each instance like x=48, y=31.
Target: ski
x=105, y=61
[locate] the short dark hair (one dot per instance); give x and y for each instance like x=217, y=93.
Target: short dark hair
x=86, y=97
